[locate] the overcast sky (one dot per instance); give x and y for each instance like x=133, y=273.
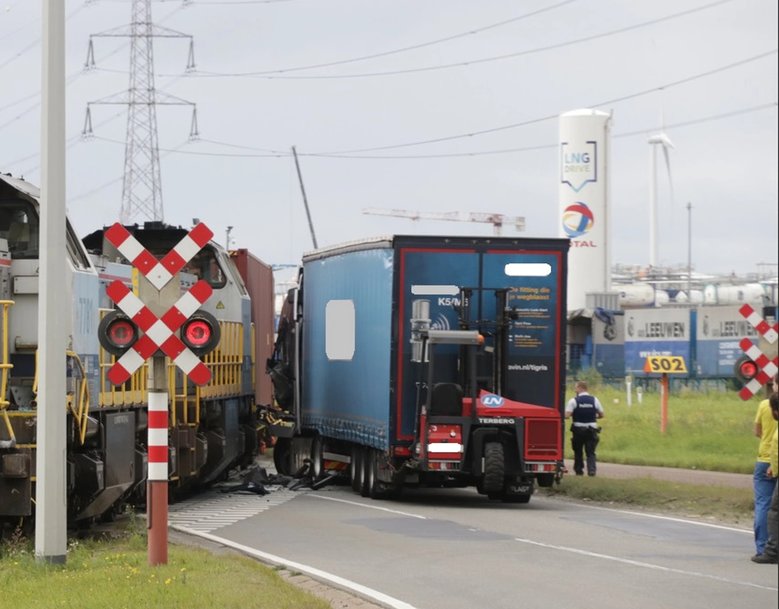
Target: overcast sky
x=448, y=105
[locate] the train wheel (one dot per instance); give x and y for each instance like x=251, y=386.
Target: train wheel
x=494, y=468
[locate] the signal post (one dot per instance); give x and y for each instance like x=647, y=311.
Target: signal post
x=147, y=325
x=158, y=301
x=665, y=365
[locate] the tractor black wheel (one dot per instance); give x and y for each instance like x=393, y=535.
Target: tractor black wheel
x=494, y=469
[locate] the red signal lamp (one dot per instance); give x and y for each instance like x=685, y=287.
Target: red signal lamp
x=117, y=333
x=746, y=369
x=201, y=333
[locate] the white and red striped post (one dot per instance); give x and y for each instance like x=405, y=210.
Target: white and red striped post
x=157, y=477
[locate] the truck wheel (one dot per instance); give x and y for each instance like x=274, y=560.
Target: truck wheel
x=494, y=468
x=355, y=471
x=376, y=488
x=365, y=471
x=317, y=446
x=281, y=456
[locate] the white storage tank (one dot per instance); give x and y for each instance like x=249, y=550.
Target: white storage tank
x=641, y=295
x=752, y=293
x=696, y=297
x=583, y=194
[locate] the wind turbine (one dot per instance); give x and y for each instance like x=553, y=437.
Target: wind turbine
x=659, y=139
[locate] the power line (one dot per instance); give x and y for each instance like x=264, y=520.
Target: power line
x=678, y=125
x=606, y=102
x=270, y=74
x=37, y=41
x=417, y=46
x=282, y=153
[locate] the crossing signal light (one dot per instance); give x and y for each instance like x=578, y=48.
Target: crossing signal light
x=117, y=333
x=746, y=369
x=201, y=333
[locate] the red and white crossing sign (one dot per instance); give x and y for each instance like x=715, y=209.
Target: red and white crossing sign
x=159, y=332
x=159, y=272
x=767, y=365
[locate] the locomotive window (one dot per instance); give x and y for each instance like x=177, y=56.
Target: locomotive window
x=204, y=265
x=19, y=227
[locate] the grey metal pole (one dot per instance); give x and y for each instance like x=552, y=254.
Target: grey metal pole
x=689, y=252
x=53, y=290
x=305, y=200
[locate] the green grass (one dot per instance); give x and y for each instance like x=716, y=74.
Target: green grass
x=711, y=430
x=114, y=574
x=723, y=504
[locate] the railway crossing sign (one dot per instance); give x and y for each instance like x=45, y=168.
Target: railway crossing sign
x=762, y=360
x=159, y=332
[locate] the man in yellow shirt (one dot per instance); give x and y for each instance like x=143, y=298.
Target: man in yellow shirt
x=771, y=551
x=763, y=484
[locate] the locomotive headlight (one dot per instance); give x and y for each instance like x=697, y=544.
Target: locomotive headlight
x=117, y=333
x=201, y=333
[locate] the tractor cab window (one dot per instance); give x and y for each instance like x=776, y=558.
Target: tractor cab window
x=19, y=227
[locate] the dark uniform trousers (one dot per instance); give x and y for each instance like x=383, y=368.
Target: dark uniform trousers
x=584, y=439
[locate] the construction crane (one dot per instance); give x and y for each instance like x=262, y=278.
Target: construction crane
x=497, y=220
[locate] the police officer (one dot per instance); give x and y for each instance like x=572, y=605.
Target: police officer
x=585, y=409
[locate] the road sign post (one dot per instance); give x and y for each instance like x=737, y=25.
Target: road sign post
x=665, y=365
x=159, y=311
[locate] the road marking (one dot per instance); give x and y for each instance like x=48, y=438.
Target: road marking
x=223, y=509
x=674, y=519
x=365, y=505
x=328, y=578
x=637, y=563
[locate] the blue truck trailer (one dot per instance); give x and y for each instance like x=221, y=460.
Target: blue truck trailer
x=425, y=360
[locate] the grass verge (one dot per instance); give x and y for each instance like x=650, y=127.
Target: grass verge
x=114, y=574
x=718, y=503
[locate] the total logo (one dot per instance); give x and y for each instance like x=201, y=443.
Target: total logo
x=577, y=219
x=492, y=401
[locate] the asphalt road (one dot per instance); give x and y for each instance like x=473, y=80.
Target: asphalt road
x=453, y=549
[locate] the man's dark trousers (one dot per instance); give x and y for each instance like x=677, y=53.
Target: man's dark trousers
x=584, y=439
